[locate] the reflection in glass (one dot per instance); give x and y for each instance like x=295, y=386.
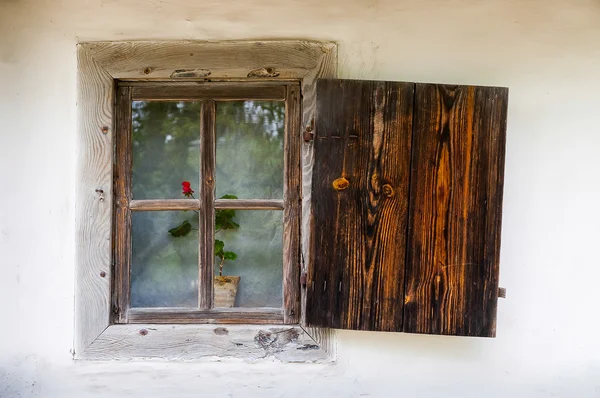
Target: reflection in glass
x=258, y=244
x=164, y=268
x=250, y=137
x=166, y=148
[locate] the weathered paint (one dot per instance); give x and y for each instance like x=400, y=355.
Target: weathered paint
x=547, y=54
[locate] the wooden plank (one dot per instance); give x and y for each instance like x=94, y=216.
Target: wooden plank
x=359, y=208
x=226, y=59
x=189, y=342
x=94, y=199
x=207, y=212
x=182, y=82
x=217, y=91
x=326, y=68
x=249, y=204
x=164, y=204
x=237, y=315
x=292, y=211
x=456, y=208
x=122, y=219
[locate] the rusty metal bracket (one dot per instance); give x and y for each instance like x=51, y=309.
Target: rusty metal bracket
x=501, y=292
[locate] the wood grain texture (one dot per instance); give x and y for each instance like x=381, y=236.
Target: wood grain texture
x=292, y=210
x=189, y=342
x=456, y=209
x=94, y=200
x=122, y=217
x=234, y=315
x=164, y=204
x=326, y=67
x=360, y=185
x=202, y=90
x=226, y=59
x=206, y=221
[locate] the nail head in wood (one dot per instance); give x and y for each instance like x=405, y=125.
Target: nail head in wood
x=501, y=292
x=102, y=274
x=104, y=129
x=147, y=71
x=143, y=332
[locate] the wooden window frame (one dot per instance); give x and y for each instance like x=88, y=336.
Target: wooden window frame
x=100, y=66
x=208, y=94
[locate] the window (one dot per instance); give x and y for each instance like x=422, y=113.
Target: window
x=176, y=66
x=235, y=147
x=396, y=228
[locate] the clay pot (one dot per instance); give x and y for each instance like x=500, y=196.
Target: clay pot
x=226, y=290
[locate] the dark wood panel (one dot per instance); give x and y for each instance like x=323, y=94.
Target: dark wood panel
x=217, y=91
x=207, y=211
x=456, y=208
x=122, y=215
x=359, y=204
x=230, y=315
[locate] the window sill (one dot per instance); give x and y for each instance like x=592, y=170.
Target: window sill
x=192, y=342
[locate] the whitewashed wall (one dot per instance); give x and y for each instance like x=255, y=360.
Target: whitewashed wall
x=547, y=52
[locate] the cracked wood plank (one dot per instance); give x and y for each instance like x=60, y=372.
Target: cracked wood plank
x=291, y=59
x=94, y=200
x=188, y=342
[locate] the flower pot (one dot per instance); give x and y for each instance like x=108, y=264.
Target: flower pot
x=226, y=290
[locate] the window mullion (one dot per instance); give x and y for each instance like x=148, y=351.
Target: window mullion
x=207, y=212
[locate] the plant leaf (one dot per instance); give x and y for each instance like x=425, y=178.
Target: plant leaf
x=181, y=230
x=219, y=245
x=229, y=255
x=229, y=197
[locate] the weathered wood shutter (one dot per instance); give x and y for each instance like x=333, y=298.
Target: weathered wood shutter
x=387, y=258
x=360, y=201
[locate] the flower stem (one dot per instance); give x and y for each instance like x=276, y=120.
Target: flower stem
x=221, y=266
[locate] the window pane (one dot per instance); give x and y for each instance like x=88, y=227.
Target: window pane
x=259, y=249
x=166, y=148
x=164, y=267
x=250, y=149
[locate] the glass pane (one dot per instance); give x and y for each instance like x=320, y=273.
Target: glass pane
x=250, y=149
x=258, y=245
x=164, y=259
x=166, y=148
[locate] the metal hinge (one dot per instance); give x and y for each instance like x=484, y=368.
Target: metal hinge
x=303, y=280
x=501, y=292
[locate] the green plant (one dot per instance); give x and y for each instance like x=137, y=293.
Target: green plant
x=224, y=219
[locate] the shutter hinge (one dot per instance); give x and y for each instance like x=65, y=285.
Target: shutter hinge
x=309, y=134
x=303, y=280
x=501, y=292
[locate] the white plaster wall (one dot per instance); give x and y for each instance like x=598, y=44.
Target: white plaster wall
x=547, y=52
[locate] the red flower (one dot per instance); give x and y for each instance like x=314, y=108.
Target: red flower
x=187, y=189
